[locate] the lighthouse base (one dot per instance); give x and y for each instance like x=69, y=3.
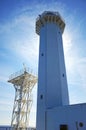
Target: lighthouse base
x=72, y=117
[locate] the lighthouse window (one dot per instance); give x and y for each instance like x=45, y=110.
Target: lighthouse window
x=81, y=124
x=63, y=127
x=63, y=75
x=41, y=96
x=49, y=13
x=42, y=54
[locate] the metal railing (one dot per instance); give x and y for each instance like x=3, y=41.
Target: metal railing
x=49, y=13
x=22, y=71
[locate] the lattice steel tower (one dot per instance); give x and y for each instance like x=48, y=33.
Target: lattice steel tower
x=23, y=82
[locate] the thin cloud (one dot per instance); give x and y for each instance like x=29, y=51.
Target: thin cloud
x=6, y=106
x=3, y=78
x=81, y=66
x=27, y=51
x=5, y=102
x=23, y=20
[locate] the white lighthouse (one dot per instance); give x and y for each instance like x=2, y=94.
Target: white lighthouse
x=53, y=99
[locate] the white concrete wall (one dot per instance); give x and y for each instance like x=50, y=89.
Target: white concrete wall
x=69, y=115
x=41, y=82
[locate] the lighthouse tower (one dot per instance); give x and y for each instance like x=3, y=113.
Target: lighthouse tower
x=53, y=109
x=52, y=82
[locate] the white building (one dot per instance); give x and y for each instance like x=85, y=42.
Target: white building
x=53, y=109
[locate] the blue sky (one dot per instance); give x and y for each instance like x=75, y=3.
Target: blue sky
x=20, y=44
